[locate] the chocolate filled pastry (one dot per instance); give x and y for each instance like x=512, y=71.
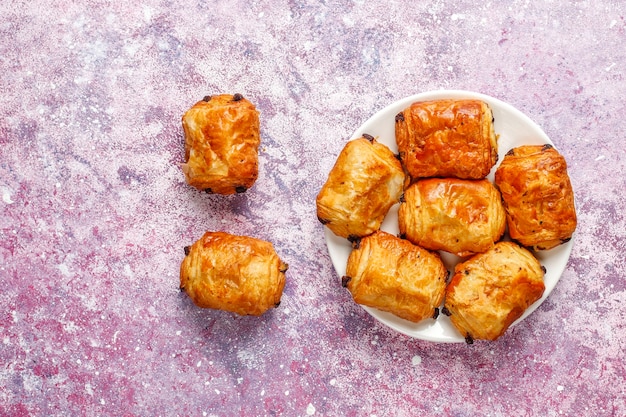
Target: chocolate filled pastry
x=538, y=196
x=364, y=183
x=491, y=290
x=393, y=275
x=221, y=144
x=240, y=274
x=447, y=138
x=462, y=217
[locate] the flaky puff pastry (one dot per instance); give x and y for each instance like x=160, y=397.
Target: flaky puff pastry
x=489, y=291
x=458, y=216
x=447, y=138
x=364, y=183
x=393, y=275
x=538, y=196
x=240, y=274
x=221, y=144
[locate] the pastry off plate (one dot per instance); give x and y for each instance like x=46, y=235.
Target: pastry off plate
x=514, y=129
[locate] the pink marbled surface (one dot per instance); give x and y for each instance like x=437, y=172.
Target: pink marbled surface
x=95, y=211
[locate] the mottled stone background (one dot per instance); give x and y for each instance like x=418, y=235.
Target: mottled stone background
x=95, y=211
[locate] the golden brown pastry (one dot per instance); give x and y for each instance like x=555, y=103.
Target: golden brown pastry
x=458, y=216
x=233, y=273
x=447, y=138
x=221, y=144
x=491, y=290
x=392, y=274
x=538, y=196
x=364, y=183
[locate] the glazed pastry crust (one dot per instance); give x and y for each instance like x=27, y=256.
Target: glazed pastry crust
x=458, y=216
x=538, y=196
x=491, y=290
x=240, y=274
x=447, y=138
x=393, y=275
x=221, y=144
x=364, y=183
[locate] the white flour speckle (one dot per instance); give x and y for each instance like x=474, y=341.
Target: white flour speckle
x=310, y=410
x=333, y=382
x=416, y=360
x=6, y=195
x=560, y=388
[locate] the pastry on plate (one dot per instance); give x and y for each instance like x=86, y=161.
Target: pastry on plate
x=462, y=217
x=447, y=138
x=364, y=183
x=221, y=144
x=538, y=196
x=491, y=290
x=240, y=274
x=393, y=275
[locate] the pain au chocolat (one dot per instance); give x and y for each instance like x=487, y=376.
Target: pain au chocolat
x=222, y=137
x=538, y=196
x=447, y=138
x=491, y=290
x=364, y=183
x=393, y=275
x=240, y=274
x=462, y=217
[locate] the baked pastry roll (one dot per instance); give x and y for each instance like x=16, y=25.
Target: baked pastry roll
x=538, y=196
x=393, y=275
x=233, y=273
x=364, y=183
x=221, y=144
x=447, y=138
x=491, y=290
x=458, y=216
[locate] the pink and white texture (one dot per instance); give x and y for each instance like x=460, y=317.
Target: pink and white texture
x=94, y=211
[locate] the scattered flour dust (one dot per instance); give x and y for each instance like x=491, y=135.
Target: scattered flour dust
x=310, y=410
x=416, y=360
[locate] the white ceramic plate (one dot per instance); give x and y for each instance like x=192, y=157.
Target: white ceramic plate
x=514, y=129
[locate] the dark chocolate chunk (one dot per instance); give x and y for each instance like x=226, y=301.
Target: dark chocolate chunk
x=436, y=313
x=344, y=281
x=400, y=117
x=354, y=238
x=206, y=98
x=240, y=189
x=237, y=97
x=368, y=137
x=187, y=249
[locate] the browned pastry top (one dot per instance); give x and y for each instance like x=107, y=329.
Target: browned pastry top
x=537, y=195
x=233, y=273
x=447, y=138
x=222, y=137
